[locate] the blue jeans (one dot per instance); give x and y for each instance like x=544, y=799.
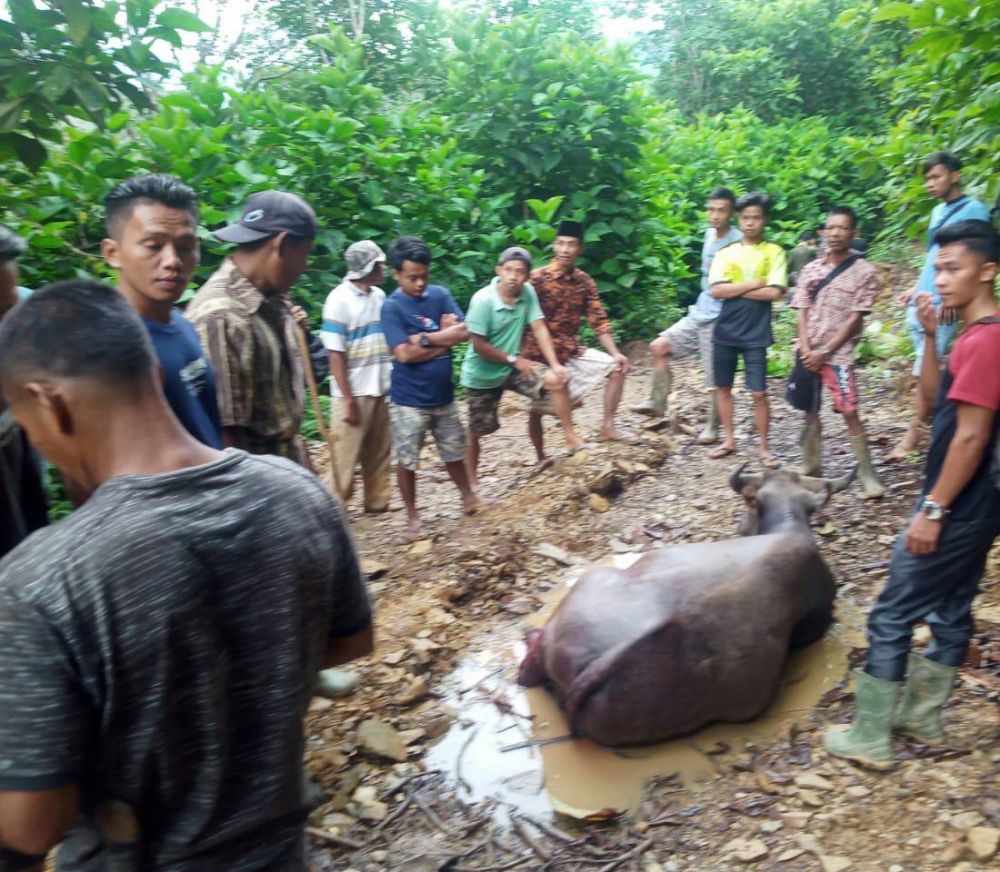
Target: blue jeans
x=944, y=336
x=937, y=588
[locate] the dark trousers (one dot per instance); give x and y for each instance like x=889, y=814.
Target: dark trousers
x=937, y=588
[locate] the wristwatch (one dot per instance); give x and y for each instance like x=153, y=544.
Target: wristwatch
x=933, y=510
x=826, y=352
x=511, y=359
x=425, y=341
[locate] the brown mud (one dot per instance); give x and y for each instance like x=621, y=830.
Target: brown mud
x=439, y=761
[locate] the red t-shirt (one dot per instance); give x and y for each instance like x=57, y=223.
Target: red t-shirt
x=972, y=376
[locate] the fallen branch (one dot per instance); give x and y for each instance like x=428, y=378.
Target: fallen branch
x=535, y=743
x=389, y=791
x=529, y=839
x=458, y=761
x=431, y=815
x=336, y=841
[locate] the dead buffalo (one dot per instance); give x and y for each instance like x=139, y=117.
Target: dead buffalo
x=691, y=633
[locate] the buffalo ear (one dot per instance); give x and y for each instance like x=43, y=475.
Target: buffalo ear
x=749, y=494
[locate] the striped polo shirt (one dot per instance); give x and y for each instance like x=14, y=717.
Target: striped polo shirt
x=352, y=324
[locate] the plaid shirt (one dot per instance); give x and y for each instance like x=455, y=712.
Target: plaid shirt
x=854, y=290
x=250, y=339
x=565, y=300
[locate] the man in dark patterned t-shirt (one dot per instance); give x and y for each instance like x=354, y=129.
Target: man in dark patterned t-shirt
x=161, y=644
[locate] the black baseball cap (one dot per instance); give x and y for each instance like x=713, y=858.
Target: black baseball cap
x=268, y=213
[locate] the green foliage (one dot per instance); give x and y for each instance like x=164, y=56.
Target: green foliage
x=880, y=342
x=77, y=59
x=945, y=96
x=778, y=58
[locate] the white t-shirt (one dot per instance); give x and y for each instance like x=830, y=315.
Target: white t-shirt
x=352, y=324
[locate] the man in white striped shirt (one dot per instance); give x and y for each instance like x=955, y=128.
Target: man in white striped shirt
x=359, y=367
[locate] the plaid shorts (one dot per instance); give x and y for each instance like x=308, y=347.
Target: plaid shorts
x=409, y=425
x=483, y=403
x=687, y=337
x=841, y=382
x=586, y=371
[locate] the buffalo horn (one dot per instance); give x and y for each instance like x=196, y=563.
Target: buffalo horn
x=835, y=485
x=738, y=481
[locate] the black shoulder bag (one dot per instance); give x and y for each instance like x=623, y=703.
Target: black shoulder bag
x=802, y=392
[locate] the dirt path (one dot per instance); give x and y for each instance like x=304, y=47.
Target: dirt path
x=778, y=804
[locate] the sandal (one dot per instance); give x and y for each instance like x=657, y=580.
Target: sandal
x=720, y=452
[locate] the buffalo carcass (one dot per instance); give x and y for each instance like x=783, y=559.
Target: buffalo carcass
x=691, y=633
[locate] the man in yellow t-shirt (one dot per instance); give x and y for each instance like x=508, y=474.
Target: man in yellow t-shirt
x=747, y=276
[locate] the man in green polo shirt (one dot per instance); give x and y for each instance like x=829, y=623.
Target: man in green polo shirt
x=496, y=320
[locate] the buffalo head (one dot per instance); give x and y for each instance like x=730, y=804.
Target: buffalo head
x=781, y=499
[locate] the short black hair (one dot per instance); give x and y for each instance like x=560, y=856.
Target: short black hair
x=723, y=194
x=847, y=211
x=410, y=248
x=942, y=158
x=76, y=329
x=976, y=235
x=152, y=188
x=11, y=245
x=808, y=236
x=755, y=198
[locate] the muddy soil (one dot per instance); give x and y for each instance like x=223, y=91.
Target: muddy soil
x=439, y=762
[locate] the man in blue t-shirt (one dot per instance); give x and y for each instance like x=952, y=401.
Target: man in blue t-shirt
x=152, y=223
x=421, y=323
x=943, y=181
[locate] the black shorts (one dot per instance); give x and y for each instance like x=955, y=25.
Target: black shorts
x=724, y=362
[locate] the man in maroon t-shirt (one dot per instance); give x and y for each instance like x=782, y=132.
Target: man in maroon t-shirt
x=938, y=560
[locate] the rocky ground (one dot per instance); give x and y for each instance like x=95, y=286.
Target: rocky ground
x=777, y=804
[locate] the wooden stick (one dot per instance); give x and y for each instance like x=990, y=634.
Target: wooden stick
x=338, y=841
x=324, y=431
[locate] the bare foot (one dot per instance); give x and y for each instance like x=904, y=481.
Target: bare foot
x=610, y=434
x=413, y=531
x=905, y=446
x=769, y=461
x=722, y=451
x=475, y=503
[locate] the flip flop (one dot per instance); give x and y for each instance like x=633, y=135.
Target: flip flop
x=720, y=452
x=770, y=462
x=586, y=446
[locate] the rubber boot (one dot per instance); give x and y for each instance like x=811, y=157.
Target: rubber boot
x=336, y=682
x=867, y=478
x=656, y=405
x=928, y=686
x=868, y=740
x=812, y=450
x=710, y=434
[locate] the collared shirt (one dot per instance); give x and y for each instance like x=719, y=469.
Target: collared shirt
x=352, y=324
x=565, y=300
x=745, y=323
x=250, y=339
x=502, y=324
x=941, y=215
x=706, y=308
x=854, y=290
x=426, y=384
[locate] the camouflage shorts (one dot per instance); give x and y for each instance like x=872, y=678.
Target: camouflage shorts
x=409, y=425
x=483, y=404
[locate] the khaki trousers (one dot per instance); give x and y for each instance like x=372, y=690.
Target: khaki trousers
x=369, y=444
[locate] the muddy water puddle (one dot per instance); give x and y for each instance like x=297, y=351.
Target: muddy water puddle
x=512, y=744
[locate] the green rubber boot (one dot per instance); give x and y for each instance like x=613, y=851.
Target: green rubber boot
x=812, y=450
x=867, y=478
x=868, y=740
x=928, y=686
x=656, y=405
x=710, y=434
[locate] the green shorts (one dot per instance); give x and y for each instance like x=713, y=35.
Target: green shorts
x=483, y=403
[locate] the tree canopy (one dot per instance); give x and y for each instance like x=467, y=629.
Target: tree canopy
x=479, y=125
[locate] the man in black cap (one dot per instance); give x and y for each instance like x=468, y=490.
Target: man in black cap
x=567, y=295
x=243, y=315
